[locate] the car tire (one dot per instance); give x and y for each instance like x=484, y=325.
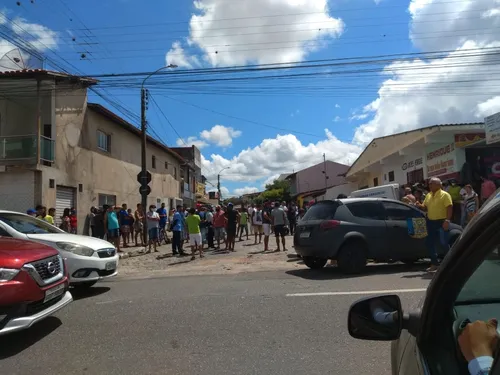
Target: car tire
x=352, y=257
x=85, y=285
x=314, y=263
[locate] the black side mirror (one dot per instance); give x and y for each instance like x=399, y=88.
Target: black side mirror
x=376, y=318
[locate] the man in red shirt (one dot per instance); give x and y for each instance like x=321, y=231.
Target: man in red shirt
x=73, y=221
x=219, y=225
x=488, y=187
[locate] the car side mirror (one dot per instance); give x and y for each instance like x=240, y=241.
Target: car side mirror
x=377, y=318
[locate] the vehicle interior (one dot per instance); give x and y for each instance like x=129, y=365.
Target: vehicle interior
x=467, y=290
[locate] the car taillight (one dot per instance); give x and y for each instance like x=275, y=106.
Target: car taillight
x=329, y=224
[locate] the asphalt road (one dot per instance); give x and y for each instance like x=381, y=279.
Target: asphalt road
x=233, y=324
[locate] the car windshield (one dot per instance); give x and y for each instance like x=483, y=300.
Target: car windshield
x=27, y=224
x=321, y=211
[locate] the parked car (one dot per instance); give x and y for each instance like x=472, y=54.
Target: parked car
x=353, y=230
x=33, y=284
x=465, y=288
x=88, y=259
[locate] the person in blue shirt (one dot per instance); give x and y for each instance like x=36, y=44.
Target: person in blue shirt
x=177, y=226
x=162, y=212
x=112, y=226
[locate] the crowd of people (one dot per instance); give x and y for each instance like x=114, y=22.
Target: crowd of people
x=466, y=201
x=68, y=219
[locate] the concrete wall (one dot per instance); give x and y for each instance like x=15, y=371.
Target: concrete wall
x=78, y=161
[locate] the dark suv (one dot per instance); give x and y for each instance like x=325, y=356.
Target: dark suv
x=353, y=230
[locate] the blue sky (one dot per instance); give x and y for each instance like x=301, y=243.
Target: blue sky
x=239, y=131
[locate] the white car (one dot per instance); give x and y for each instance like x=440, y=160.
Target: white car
x=88, y=259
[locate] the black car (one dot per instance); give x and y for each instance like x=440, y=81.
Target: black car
x=465, y=288
x=353, y=230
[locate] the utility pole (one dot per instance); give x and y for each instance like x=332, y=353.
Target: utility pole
x=144, y=193
x=218, y=187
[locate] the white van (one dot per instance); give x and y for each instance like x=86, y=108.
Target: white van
x=390, y=191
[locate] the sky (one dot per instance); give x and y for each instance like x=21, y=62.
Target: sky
x=424, y=62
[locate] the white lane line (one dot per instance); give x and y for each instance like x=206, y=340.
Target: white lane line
x=389, y=291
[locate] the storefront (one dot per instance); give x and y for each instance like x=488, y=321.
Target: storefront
x=444, y=161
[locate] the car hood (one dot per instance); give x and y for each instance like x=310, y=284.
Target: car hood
x=16, y=253
x=52, y=238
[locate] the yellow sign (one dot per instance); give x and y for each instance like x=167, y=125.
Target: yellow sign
x=200, y=189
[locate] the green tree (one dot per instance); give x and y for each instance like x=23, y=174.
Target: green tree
x=276, y=191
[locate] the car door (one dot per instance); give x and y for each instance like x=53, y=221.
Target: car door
x=467, y=286
x=402, y=245
x=369, y=221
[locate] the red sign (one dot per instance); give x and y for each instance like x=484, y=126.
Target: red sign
x=463, y=140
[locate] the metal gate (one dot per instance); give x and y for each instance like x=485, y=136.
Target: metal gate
x=65, y=198
x=17, y=191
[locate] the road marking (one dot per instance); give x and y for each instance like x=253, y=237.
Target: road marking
x=389, y=291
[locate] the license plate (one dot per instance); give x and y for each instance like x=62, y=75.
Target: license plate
x=110, y=266
x=305, y=234
x=54, y=292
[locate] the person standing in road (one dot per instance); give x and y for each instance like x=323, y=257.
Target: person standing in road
x=139, y=224
x=232, y=219
x=257, y=223
x=193, y=225
x=251, y=210
x=203, y=225
x=439, y=207
x=210, y=228
x=124, y=224
x=112, y=226
x=42, y=215
x=219, y=224
x=243, y=223
x=278, y=217
x=91, y=220
x=488, y=187
x=153, y=220
x=176, y=226
x=266, y=224
x=292, y=218
x=162, y=212
x=73, y=221
x=65, y=226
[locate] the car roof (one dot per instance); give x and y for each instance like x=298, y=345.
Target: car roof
x=352, y=200
x=11, y=212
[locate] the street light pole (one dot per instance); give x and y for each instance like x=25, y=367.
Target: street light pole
x=144, y=192
x=218, y=182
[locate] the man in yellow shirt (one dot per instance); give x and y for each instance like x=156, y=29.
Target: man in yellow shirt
x=439, y=207
x=42, y=214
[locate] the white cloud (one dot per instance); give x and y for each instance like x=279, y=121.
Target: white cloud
x=241, y=32
x=452, y=89
x=245, y=190
x=273, y=156
x=337, y=105
x=38, y=37
x=220, y=135
x=337, y=119
x=177, y=56
x=360, y=116
x=190, y=141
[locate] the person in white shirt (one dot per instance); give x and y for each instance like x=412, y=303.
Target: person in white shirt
x=251, y=210
x=153, y=220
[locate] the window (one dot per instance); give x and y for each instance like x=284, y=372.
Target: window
x=109, y=200
x=367, y=210
x=391, y=176
x=153, y=162
x=321, y=211
x=27, y=224
x=166, y=165
x=4, y=233
x=375, y=181
x=175, y=173
x=103, y=141
x=397, y=211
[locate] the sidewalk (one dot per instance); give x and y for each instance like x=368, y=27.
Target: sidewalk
x=247, y=258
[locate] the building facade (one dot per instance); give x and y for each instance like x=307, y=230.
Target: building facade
x=60, y=151
x=193, y=183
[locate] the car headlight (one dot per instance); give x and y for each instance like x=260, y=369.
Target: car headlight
x=75, y=248
x=7, y=274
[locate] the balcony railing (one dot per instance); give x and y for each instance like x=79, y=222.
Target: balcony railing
x=24, y=147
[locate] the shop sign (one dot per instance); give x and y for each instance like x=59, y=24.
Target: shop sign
x=492, y=125
x=467, y=139
x=441, y=160
x=200, y=188
x=417, y=163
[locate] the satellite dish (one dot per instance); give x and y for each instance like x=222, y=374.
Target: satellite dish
x=16, y=59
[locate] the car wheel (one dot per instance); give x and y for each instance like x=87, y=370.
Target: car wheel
x=84, y=285
x=352, y=257
x=314, y=263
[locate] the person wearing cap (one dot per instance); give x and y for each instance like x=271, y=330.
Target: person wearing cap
x=31, y=212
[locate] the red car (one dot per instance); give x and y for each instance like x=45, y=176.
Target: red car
x=33, y=284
